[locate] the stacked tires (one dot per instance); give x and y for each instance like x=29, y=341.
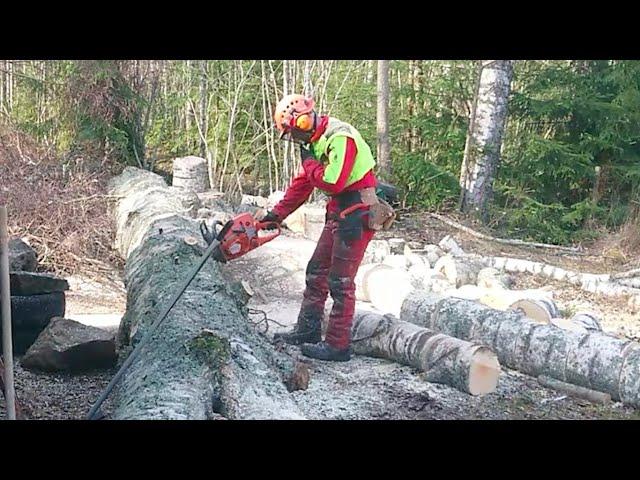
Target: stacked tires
x=30, y=314
x=35, y=298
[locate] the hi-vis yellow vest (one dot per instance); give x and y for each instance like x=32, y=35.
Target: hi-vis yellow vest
x=331, y=146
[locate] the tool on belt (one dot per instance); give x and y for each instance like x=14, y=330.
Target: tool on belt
x=237, y=237
x=381, y=214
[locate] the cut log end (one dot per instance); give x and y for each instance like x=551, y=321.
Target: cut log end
x=540, y=310
x=190, y=240
x=484, y=372
x=568, y=325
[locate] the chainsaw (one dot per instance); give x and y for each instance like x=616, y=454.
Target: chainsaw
x=237, y=237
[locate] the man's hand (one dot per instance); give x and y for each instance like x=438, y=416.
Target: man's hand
x=264, y=216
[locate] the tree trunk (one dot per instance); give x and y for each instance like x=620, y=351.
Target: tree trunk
x=384, y=145
x=307, y=88
x=588, y=359
x=484, y=140
x=207, y=359
x=468, y=367
x=203, y=109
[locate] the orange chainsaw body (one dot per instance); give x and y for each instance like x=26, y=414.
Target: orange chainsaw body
x=240, y=235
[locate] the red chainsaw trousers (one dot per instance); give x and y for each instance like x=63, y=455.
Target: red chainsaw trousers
x=332, y=269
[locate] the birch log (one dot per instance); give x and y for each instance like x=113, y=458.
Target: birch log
x=589, y=359
x=205, y=359
x=469, y=367
x=459, y=270
x=491, y=278
x=191, y=173
x=574, y=390
x=590, y=282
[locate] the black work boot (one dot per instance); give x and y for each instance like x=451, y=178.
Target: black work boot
x=307, y=330
x=324, y=351
x=298, y=336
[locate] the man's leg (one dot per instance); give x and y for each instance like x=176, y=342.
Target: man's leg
x=308, y=328
x=346, y=258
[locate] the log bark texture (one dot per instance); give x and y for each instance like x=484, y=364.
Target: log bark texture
x=484, y=138
x=205, y=359
x=589, y=359
x=469, y=367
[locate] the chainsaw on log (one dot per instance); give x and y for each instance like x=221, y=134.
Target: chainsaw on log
x=237, y=237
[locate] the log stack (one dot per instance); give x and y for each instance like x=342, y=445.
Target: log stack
x=589, y=359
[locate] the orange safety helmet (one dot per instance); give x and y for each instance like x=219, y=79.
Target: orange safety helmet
x=293, y=111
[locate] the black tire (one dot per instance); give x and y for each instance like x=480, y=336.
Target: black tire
x=23, y=339
x=33, y=312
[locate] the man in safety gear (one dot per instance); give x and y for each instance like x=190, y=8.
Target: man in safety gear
x=337, y=160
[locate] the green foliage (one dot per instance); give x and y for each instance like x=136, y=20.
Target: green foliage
x=565, y=119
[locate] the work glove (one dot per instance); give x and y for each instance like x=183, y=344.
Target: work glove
x=264, y=216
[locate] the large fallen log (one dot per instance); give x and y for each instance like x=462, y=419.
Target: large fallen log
x=469, y=367
x=206, y=359
x=589, y=359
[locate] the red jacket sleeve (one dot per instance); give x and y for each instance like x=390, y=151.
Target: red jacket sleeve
x=315, y=170
x=296, y=194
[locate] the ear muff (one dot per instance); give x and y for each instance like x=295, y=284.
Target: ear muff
x=304, y=122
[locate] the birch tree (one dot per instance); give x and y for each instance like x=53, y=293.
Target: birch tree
x=384, y=145
x=484, y=137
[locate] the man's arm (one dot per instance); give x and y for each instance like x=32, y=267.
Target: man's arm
x=333, y=177
x=296, y=194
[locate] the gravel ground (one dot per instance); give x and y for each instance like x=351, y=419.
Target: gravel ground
x=66, y=396
x=57, y=396
x=367, y=388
